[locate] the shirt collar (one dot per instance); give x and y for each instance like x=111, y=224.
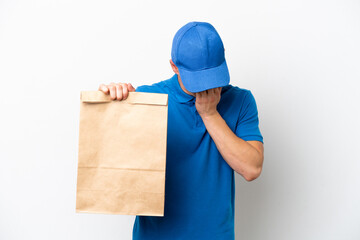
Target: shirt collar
x=179, y=93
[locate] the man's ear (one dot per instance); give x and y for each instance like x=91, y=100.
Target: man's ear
x=174, y=67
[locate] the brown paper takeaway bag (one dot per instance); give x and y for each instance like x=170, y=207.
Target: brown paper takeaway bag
x=122, y=154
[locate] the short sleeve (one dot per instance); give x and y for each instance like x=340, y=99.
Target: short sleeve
x=142, y=88
x=154, y=88
x=247, y=127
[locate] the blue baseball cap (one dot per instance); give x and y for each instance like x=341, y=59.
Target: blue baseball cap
x=199, y=54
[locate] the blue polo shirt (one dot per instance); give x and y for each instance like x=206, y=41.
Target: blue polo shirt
x=199, y=184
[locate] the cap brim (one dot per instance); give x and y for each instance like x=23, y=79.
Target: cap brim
x=198, y=81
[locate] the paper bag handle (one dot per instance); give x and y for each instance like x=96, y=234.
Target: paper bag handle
x=133, y=98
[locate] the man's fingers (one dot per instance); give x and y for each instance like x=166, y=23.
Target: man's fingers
x=206, y=93
x=103, y=88
x=214, y=91
x=130, y=87
x=112, y=92
x=125, y=91
x=119, y=92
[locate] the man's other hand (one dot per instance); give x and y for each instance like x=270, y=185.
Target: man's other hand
x=117, y=91
x=207, y=101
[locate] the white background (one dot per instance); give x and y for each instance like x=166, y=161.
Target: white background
x=299, y=58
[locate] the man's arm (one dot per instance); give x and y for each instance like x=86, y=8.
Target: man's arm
x=245, y=157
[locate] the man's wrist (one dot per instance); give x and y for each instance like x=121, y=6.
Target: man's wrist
x=210, y=116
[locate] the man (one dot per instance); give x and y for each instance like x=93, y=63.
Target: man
x=213, y=130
